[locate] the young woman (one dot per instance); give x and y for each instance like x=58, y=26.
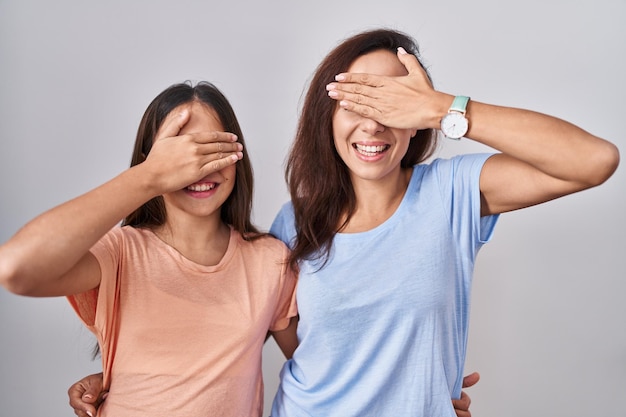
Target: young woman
x=182, y=296
x=386, y=242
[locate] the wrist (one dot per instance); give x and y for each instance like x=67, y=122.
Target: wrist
x=454, y=123
x=145, y=182
x=441, y=105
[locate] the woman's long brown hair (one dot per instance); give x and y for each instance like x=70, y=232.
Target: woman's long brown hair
x=319, y=182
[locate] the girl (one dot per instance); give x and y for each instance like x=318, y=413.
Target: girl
x=181, y=297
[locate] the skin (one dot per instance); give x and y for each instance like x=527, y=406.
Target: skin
x=190, y=150
x=31, y=266
x=384, y=99
x=87, y=394
x=541, y=157
x=379, y=173
x=189, y=210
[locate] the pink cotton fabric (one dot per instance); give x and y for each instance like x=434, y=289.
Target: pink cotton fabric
x=183, y=339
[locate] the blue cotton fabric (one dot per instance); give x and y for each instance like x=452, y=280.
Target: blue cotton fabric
x=383, y=326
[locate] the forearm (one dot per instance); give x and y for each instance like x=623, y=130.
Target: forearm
x=553, y=146
x=541, y=157
x=287, y=339
x=54, y=242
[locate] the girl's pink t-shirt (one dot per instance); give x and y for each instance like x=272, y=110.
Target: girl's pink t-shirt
x=182, y=339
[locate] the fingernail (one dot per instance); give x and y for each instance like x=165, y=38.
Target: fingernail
x=333, y=94
x=401, y=50
x=330, y=86
x=340, y=77
x=88, y=396
x=234, y=138
x=89, y=413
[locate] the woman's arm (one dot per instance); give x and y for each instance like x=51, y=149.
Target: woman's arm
x=541, y=158
x=50, y=255
x=86, y=395
x=287, y=339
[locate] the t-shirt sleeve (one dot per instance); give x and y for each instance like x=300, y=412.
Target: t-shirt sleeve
x=283, y=226
x=88, y=304
x=459, y=178
x=286, y=307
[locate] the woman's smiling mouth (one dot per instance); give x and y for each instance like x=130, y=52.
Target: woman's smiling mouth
x=370, y=150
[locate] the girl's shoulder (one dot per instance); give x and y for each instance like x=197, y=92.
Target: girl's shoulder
x=263, y=243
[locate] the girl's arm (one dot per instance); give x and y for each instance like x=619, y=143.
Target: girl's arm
x=541, y=158
x=50, y=255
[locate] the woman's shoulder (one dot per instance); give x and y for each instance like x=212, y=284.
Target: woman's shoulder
x=451, y=167
x=283, y=226
x=454, y=160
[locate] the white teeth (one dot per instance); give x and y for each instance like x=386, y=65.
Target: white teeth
x=370, y=150
x=201, y=187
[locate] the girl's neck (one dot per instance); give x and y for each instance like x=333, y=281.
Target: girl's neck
x=204, y=243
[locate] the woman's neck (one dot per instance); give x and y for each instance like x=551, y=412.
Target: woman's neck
x=377, y=201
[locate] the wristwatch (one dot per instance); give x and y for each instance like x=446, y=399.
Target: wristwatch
x=454, y=124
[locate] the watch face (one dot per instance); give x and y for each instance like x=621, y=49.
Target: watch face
x=454, y=125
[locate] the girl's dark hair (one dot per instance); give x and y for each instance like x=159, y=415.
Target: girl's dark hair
x=237, y=209
x=319, y=181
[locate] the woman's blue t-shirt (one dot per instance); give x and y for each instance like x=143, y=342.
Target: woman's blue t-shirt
x=383, y=325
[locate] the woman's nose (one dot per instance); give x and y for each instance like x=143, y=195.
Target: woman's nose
x=371, y=126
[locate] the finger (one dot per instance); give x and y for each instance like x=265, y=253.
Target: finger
x=78, y=395
x=363, y=110
x=413, y=65
x=360, y=79
x=409, y=61
x=462, y=405
x=219, y=149
x=84, y=395
x=81, y=404
x=173, y=123
x=471, y=380
x=213, y=137
x=462, y=413
x=85, y=413
x=354, y=91
x=213, y=165
x=353, y=97
x=91, y=394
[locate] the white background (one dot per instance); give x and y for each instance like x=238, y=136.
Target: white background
x=547, y=332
